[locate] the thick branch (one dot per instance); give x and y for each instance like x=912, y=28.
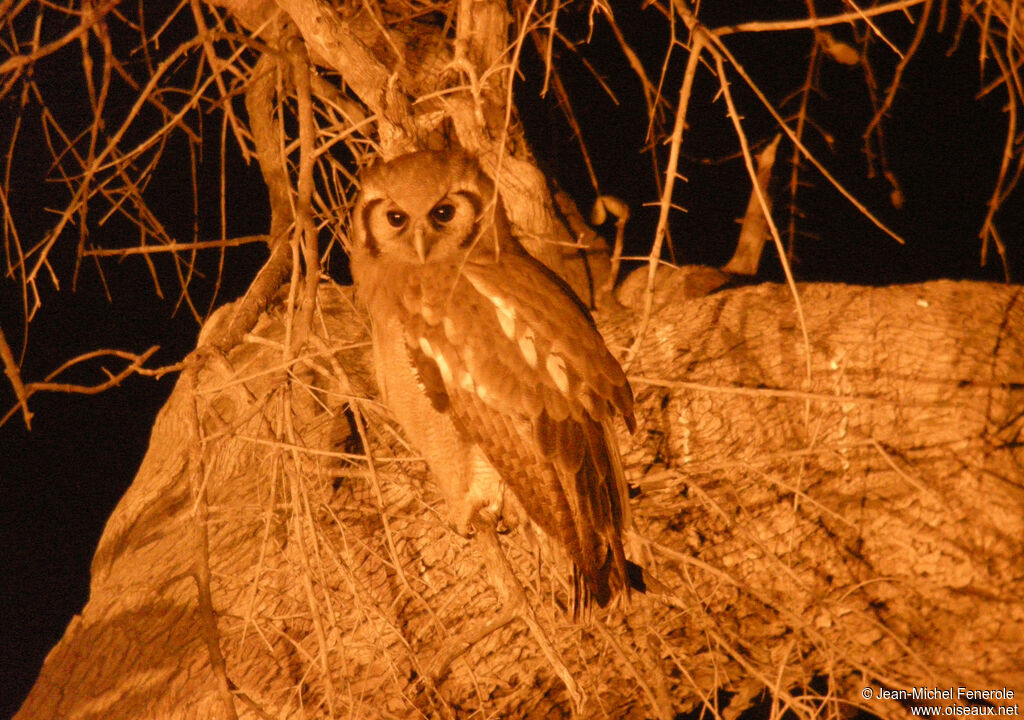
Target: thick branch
x=863, y=526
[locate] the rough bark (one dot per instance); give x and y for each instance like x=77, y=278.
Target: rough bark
x=804, y=534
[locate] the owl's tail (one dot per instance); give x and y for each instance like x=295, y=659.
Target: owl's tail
x=611, y=580
x=601, y=571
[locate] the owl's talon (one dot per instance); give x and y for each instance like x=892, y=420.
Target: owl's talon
x=491, y=516
x=464, y=530
x=461, y=520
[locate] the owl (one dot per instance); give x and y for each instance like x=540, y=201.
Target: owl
x=491, y=365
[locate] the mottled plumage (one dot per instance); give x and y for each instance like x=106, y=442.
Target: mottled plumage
x=492, y=366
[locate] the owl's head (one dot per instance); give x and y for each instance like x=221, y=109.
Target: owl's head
x=428, y=207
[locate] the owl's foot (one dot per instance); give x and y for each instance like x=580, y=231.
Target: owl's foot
x=476, y=516
x=497, y=519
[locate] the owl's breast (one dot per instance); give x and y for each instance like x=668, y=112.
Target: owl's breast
x=391, y=288
x=464, y=475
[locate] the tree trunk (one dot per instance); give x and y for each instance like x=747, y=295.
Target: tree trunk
x=810, y=525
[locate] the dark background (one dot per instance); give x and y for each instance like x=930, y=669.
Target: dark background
x=60, y=482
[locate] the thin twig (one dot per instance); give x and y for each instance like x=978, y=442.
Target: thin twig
x=13, y=373
x=671, y=173
x=748, y=160
x=136, y=361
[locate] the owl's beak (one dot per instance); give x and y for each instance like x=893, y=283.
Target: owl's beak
x=420, y=243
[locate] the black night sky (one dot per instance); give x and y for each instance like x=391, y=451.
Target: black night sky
x=61, y=481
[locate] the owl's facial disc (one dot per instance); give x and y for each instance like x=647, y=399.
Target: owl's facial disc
x=423, y=209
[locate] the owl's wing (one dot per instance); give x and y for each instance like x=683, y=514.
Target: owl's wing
x=508, y=351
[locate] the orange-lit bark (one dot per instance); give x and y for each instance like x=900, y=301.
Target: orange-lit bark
x=860, y=527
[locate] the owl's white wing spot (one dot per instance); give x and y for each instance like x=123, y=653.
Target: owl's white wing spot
x=506, y=316
x=505, y=312
x=429, y=313
x=528, y=347
x=482, y=392
x=443, y=366
x=427, y=348
x=450, y=330
x=556, y=369
x=466, y=382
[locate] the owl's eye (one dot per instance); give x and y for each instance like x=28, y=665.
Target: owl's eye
x=443, y=212
x=396, y=219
